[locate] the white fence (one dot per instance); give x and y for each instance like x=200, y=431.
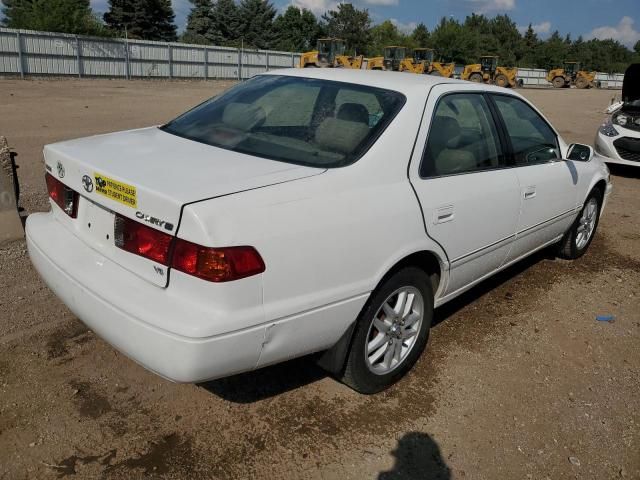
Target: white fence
x=27, y=52
x=533, y=77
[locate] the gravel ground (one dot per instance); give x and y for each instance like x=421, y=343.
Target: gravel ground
x=519, y=380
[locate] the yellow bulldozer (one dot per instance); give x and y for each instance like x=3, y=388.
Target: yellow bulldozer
x=422, y=63
x=571, y=74
x=488, y=71
x=393, y=57
x=329, y=53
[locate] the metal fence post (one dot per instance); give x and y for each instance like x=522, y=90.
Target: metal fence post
x=78, y=57
x=206, y=63
x=293, y=63
x=266, y=61
x=20, y=61
x=239, y=64
x=170, y=61
x=126, y=59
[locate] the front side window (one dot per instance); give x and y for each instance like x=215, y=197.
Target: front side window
x=532, y=138
x=462, y=138
x=312, y=122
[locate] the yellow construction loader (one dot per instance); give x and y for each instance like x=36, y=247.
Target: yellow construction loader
x=393, y=57
x=571, y=75
x=488, y=71
x=422, y=63
x=329, y=53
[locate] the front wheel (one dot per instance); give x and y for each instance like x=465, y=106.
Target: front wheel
x=558, y=82
x=476, y=78
x=578, y=238
x=391, y=332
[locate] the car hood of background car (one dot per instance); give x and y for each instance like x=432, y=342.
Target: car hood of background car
x=631, y=86
x=167, y=171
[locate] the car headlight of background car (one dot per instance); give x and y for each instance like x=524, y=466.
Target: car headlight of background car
x=608, y=129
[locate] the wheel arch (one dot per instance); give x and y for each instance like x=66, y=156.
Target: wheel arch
x=333, y=360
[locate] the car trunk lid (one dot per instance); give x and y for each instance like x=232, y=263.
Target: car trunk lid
x=148, y=175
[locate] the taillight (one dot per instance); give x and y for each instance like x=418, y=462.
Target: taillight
x=216, y=264
x=208, y=263
x=62, y=195
x=145, y=241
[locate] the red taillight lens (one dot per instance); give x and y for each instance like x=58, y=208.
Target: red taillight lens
x=216, y=264
x=62, y=195
x=145, y=241
x=212, y=264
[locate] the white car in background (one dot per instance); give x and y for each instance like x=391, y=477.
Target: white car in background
x=618, y=138
x=304, y=211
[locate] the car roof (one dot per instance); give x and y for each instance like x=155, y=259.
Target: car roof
x=406, y=83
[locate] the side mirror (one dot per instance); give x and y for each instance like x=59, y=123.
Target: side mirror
x=580, y=153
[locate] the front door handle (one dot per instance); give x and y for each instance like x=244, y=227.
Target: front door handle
x=443, y=214
x=529, y=192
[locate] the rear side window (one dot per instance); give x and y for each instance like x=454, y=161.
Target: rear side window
x=312, y=122
x=463, y=137
x=532, y=138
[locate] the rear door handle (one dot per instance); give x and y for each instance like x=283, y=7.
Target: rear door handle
x=529, y=192
x=443, y=214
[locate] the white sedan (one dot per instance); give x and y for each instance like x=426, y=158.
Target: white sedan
x=306, y=211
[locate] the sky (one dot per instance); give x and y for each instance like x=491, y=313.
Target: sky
x=617, y=19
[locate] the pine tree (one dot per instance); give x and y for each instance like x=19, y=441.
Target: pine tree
x=296, y=30
x=144, y=19
x=226, y=23
x=421, y=36
x=350, y=24
x=200, y=23
x=67, y=16
x=256, y=23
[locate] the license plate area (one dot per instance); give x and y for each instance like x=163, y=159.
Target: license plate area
x=96, y=224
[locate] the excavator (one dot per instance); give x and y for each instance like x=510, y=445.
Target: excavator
x=393, y=57
x=488, y=71
x=329, y=53
x=422, y=63
x=571, y=75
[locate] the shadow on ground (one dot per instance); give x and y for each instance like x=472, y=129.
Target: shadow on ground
x=417, y=457
x=627, y=171
x=272, y=381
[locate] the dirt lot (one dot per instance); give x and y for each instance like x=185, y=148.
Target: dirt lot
x=519, y=381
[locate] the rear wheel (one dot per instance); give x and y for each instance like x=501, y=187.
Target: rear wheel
x=391, y=332
x=476, y=77
x=558, y=82
x=578, y=238
x=502, y=81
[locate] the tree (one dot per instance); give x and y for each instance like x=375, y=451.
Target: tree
x=455, y=43
x=636, y=47
x=144, y=19
x=420, y=36
x=296, y=30
x=226, y=23
x=530, y=44
x=256, y=23
x=67, y=16
x=350, y=24
x=200, y=23
x=382, y=35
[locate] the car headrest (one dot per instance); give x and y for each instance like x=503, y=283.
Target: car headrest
x=446, y=131
x=243, y=116
x=353, y=112
x=340, y=136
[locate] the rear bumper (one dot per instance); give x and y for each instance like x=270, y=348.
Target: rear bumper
x=84, y=280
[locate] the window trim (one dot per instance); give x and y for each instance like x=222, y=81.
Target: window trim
x=504, y=155
x=503, y=126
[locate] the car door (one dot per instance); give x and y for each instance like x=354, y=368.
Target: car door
x=548, y=183
x=470, y=201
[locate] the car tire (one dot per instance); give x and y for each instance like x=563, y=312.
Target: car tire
x=391, y=332
x=578, y=238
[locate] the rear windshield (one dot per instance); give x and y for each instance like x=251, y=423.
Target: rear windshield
x=312, y=122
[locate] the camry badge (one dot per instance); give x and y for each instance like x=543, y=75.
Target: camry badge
x=60, y=170
x=87, y=183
